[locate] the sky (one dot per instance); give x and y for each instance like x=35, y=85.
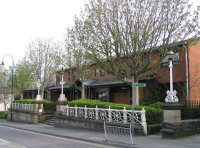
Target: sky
x=22, y=21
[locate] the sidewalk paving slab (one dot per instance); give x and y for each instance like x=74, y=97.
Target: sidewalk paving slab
x=150, y=141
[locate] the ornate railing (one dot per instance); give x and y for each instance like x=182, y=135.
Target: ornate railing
x=19, y=106
x=111, y=115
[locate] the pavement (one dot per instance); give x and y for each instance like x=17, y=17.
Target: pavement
x=139, y=141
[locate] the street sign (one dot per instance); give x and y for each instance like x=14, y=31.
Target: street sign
x=140, y=84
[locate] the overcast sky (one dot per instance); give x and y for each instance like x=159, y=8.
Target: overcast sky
x=24, y=20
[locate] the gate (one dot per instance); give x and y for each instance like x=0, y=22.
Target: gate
x=118, y=133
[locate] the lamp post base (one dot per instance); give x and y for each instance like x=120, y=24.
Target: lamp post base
x=62, y=97
x=38, y=98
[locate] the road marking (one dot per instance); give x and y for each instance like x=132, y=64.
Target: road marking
x=4, y=141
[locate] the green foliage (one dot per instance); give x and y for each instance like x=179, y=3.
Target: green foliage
x=147, y=101
x=27, y=101
x=3, y=114
x=188, y=112
x=156, y=90
x=48, y=105
x=156, y=105
x=153, y=115
x=18, y=97
x=23, y=76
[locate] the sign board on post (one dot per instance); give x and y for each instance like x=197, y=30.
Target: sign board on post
x=140, y=84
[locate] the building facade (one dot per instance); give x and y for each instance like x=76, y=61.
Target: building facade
x=107, y=87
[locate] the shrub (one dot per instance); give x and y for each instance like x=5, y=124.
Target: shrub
x=27, y=101
x=156, y=105
x=147, y=101
x=189, y=112
x=153, y=115
x=48, y=105
x=3, y=114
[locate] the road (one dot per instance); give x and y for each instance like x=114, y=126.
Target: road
x=15, y=138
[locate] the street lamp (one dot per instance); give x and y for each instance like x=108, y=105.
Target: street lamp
x=38, y=98
x=171, y=94
x=12, y=81
x=62, y=96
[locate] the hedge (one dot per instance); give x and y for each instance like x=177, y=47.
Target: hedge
x=48, y=105
x=153, y=115
x=3, y=114
x=25, y=101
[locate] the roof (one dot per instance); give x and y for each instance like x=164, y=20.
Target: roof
x=66, y=85
x=107, y=81
x=90, y=81
x=93, y=82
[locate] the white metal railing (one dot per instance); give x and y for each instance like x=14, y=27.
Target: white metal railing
x=19, y=106
x=111, y=115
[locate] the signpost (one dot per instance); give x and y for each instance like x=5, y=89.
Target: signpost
x=134, y=98
x=140, y=84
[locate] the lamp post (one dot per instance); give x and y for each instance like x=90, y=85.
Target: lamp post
x=172, y=125
x=171, y=94
x=62, y=96
x=38, y=98
x=12, y=81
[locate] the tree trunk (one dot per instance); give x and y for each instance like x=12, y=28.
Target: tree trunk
x=83, y=91
x=136, y=96
x=22, y=97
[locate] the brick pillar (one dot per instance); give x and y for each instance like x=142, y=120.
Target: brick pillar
x=59, y=104
x=38, y=106
x=171, y=126
x=38, y=109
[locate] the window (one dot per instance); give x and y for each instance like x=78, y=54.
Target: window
x=102, y=72
x=175, y=60
x=71, y=75
x=59, y=78
x=97, y=72
x=146, y=61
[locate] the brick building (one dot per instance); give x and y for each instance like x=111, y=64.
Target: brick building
x=106, y=87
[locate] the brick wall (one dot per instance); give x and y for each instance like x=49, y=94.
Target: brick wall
x=194, y=71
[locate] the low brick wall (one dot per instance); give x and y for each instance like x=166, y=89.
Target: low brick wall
x=26, y=116
x=63, y=121
x=98, y=125
x=191, y=127
x=182, y=129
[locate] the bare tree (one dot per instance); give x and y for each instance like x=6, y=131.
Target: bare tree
x=44, y=59
x=76, y=60
x=124, y=35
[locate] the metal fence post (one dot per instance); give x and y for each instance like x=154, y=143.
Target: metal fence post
x=76, y=113
x=109, y=114
x=143, y=121
x=125, y=115
x=67, y=110
x=97, y=113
